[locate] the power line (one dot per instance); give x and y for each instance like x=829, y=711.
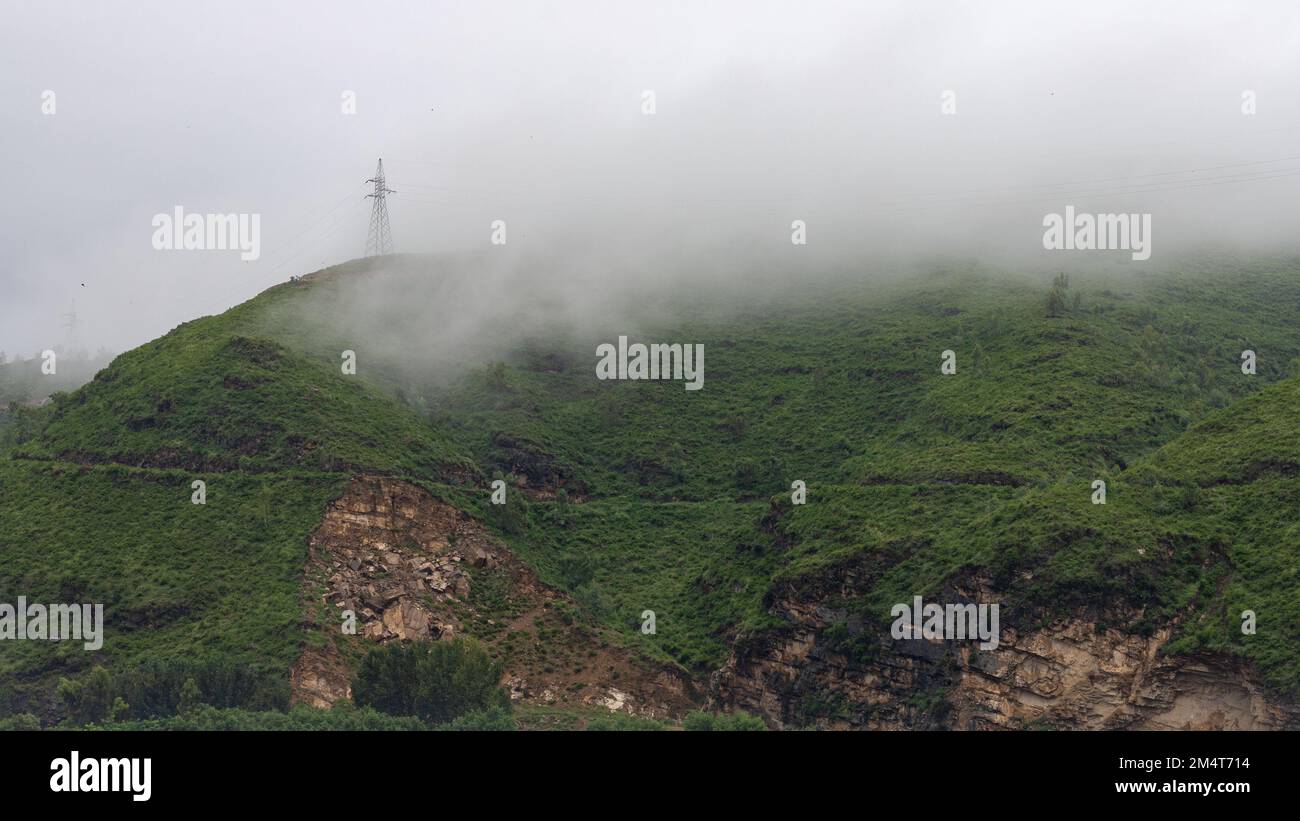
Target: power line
x=913, y=204
x=434, y=194
x=292, y=245
x=312, y=225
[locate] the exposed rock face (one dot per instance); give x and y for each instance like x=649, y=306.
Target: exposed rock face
x=1069, y=675
x=411, y=567
x=319, y=678
x=392, y=554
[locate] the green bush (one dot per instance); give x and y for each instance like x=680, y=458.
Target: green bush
x=722, y=722
x=575, y=571
x=22, y=721
x=89, y=698
x=342, y=717
x=435, y=681
x=622, y=722
x=164, y=687
x=1056, y=297
x=491, y=719
x=510, y=518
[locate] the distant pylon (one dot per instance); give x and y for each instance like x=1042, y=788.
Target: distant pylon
x=380, y=240
x=74, y=338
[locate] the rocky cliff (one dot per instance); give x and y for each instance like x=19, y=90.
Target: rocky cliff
x=1071, y=674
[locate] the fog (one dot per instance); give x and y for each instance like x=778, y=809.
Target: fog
x=896, y=132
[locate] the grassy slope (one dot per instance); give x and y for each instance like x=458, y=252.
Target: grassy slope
x=206, y=397
x=201, y=582
x=989, y=468
x=96, y=503
x=839, y=387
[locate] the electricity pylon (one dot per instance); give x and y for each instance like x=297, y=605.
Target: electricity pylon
x=380, y=239
x=74, y=338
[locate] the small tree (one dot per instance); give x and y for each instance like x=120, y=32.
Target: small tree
x=1056, y=296
x=89, y=699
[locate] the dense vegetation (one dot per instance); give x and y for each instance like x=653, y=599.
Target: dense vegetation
x=676, y=501
x=438, y=682
x=930, y=478
x=213, y=584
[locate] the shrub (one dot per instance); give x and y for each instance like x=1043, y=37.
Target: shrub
x=435, y=681
x=165, y=687
x=510, y=518
x=492, y=719
x=575, y=571
x=89, y=698
x=722, y=722
x=21, y=721
x=341, y=717
x=623, y=722
x=1057, y=295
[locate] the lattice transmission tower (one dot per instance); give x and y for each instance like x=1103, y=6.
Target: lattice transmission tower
x=380, y=239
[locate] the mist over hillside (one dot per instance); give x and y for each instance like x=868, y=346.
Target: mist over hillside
x=895, y=366
x=893, y=131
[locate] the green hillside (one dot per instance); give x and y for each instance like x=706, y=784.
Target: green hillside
x=215, y=585
x=207, y=399
x=642, y=495
x=990, y=468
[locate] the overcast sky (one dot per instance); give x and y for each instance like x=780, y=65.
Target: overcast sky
x=533, y=113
